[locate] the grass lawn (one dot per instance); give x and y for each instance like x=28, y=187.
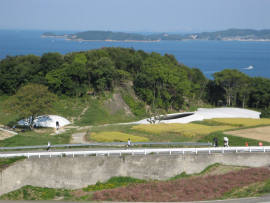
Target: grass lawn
x=37, y=137
x=233, y=140
x=7, y=118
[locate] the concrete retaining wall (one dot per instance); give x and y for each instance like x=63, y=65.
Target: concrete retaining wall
x=78, y=172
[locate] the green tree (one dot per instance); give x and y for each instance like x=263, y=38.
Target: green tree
x=103, y=74
x=51, y=61
x=260, y=92
x=228, y=79
x=60, y=82
x=31, y=101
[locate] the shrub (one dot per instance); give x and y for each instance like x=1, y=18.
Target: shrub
x=265, y=113
x=138, y=108
x=113, y=182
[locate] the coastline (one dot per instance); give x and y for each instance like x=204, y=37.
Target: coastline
x=55, y=36
x=109, y=40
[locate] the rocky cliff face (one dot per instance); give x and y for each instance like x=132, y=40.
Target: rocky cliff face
x=117, y=104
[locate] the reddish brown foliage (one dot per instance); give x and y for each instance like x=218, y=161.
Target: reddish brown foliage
x=192, y=189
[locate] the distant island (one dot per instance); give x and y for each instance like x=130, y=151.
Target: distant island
x=224, y=35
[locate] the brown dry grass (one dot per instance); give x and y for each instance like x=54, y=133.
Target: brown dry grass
x=4, y=135
x=260, y=133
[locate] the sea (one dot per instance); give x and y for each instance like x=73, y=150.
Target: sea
x=250, y=57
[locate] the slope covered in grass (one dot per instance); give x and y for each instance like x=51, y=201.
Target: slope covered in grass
x=193, y=189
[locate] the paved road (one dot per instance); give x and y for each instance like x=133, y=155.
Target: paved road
x=67, y=149
x=263, y=199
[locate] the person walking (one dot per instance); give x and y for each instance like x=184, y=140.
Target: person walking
x=14, y=127
x=129, y=143
x=216, y=142
x=226, y=142
x=49, y=146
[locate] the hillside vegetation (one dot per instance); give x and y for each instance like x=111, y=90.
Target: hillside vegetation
x=158, y=81
x=120, y=85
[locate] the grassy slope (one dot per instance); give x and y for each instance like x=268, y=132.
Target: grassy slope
x=6, y=118
x=96, y=114
x=30, y=138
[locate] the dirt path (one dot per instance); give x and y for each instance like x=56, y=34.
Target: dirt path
x=260, y=133
x=78, y=138
x=6, y=134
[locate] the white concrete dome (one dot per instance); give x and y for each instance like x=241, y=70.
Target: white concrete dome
x=47, y=121
x=202, y=113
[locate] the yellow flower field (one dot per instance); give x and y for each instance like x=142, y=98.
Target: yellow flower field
x=187, y=130
x=116, y=137
x=242, y=122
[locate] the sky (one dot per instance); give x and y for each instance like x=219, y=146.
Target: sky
x=135, y=15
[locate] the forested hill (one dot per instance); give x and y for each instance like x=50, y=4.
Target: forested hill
x=108, y=35
x=226, y=35
x=158, y=80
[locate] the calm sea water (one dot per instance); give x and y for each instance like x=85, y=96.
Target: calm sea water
x=208, y=56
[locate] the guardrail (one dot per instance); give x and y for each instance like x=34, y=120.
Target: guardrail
x=167, y=151
x=108, y=144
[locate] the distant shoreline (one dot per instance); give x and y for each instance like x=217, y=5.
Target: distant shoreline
x=108, y=40
x=55, y=36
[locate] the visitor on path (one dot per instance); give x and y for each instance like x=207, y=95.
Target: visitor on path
x=226, y=142
x=14, y=127
x=49, y=146
x=216, y=142
x=129, y=143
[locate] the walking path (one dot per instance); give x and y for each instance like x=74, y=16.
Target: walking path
x=78, y=138
x=9, y=131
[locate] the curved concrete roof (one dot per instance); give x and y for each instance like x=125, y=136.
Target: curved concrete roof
x=47, y=121
x=201, y=113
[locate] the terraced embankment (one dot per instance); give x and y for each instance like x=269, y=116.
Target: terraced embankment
x=78, y=172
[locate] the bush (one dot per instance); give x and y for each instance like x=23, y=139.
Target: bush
x=137, y=108
x=113, y=182
x=265, y=113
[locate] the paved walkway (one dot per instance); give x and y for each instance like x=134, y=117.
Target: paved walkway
x=78, y=138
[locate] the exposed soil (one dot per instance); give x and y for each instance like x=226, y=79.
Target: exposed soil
x=260, y=133
x=79, y=193
x=4, y=135
x=117, y=104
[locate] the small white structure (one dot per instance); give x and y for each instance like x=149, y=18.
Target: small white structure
x=47, y=121
x=201, y=113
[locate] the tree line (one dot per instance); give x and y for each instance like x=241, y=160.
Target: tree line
x=159, y=81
